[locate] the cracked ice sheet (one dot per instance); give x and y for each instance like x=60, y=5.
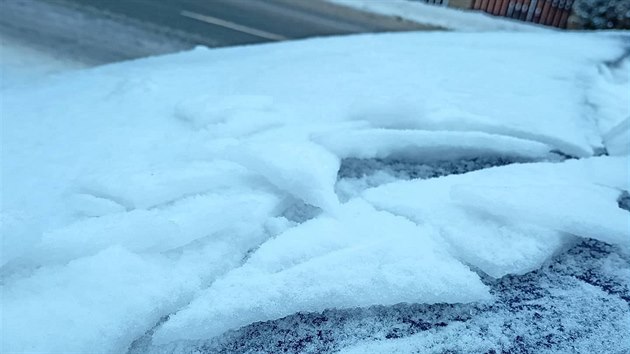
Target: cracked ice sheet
x=588, y=211
x=361, y=257
x=162, y=207
x=424, y=145
x=161, y=185
x=301, y=168
x=105, y=301
x=108, y=299
x=610, y=103
x=76, y=125
x=608, y=94
x=498, y=242
x=207, y=216
x=77, y=130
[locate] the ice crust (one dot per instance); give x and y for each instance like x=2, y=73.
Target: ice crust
x=587, y=211
x=191, y=219
x=534, y=205
x=423, y=145
x=325, y=263
x=189, y=195
x=576, y=303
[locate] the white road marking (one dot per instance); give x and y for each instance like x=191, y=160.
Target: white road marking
x=232, y=26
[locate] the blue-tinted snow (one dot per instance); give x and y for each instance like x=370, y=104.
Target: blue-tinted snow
x=578, y=302
x=133, y=193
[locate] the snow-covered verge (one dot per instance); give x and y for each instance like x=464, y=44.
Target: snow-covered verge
x=20, y=64
x=172, y=203
x=444, y=17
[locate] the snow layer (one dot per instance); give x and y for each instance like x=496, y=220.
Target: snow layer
x=450, y=18
x=303, y=169
x=617, y=139
x=577, y=303
x=532, y=205
x=191, y=219
x=588, y=211
x=424, y=145
x=545, y=311
x=360, y=258
x=610, y=100
x=97, y=303
x=187, y=180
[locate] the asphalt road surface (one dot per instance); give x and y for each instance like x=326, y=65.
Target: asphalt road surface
x=111, y=30
x=229, y=22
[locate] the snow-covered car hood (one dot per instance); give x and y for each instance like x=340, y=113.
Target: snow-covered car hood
x=226, y=187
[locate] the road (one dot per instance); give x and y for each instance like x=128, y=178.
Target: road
x=111, y=30
x=230, y=22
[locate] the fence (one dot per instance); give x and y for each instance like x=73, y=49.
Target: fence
x=545, y=12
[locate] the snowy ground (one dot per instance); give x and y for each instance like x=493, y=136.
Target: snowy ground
x=435, y=15
x=418, y=192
